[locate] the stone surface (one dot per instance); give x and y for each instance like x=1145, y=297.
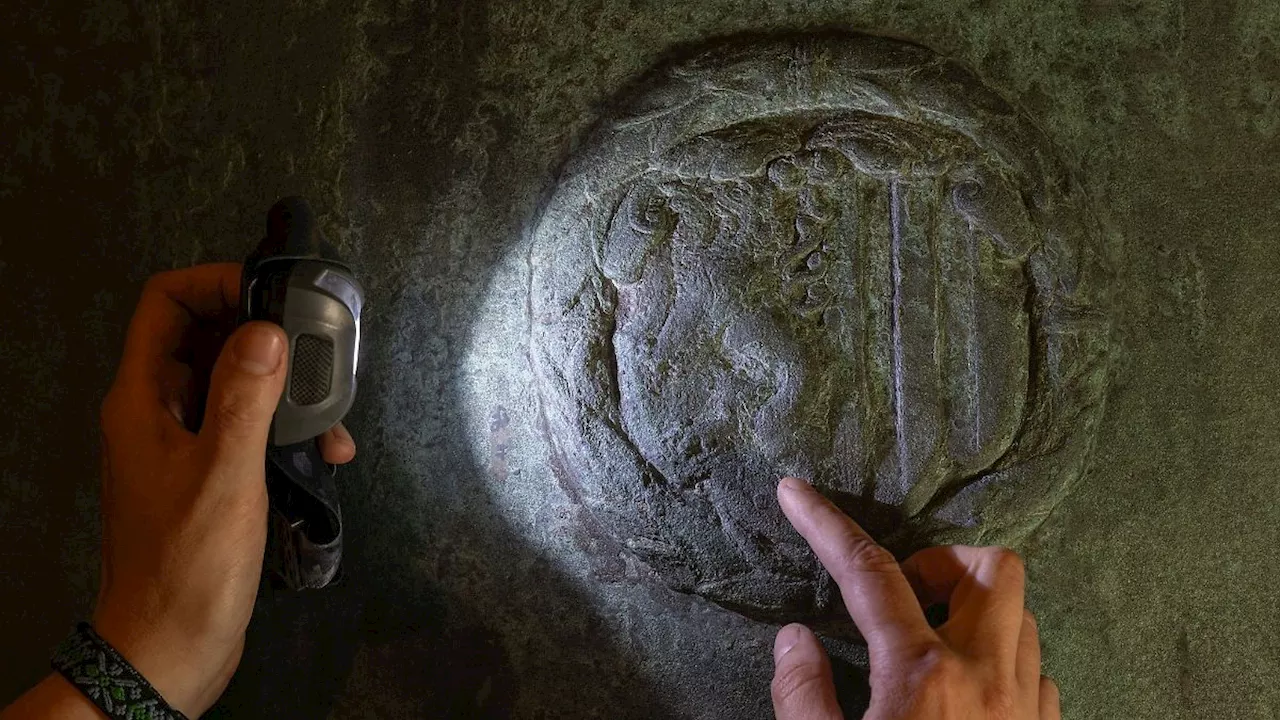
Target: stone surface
x=152, y=135
x=839, y=257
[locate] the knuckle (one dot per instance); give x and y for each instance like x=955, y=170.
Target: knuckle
x=999, y=700
x=234, y=415
x=1007, y=563
x=859, y=553
x=1029, y=618
x=795, y=682
x=939, y=671
x=158, y=283
x=944, y=676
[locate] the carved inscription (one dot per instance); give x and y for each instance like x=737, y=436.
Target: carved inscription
x=838, y=257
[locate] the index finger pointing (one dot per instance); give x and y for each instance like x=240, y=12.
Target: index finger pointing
x=880, y=600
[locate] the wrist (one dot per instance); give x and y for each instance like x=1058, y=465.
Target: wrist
x=53, y=697
x=187, y=673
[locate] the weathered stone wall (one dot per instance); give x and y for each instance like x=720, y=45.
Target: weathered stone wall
x=432, y=137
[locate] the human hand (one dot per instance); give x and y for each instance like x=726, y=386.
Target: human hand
x=982, y=664
x=185, y=513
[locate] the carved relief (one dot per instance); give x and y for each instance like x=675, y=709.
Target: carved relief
x=839, y=257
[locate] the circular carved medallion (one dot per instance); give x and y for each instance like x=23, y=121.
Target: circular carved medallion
x=837, y=257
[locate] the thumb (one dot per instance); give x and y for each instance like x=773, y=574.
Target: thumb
x=802, y=686
x=243, y=393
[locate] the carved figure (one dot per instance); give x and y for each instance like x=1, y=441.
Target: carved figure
x=840, y=257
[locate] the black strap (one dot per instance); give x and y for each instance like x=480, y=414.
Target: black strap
x=95, y=668
x=304, y=546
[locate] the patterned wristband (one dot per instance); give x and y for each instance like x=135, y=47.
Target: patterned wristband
x=97, y=670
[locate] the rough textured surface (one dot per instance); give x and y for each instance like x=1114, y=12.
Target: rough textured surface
x=833, y=256
x=144, y=136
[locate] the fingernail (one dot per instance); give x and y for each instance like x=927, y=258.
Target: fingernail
x=787, y=639
x=791, y=484
x=258, y=350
